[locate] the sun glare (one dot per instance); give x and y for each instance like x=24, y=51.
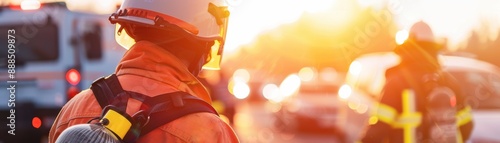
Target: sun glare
x=314, y=6
x=251, y=18
x=401, y=36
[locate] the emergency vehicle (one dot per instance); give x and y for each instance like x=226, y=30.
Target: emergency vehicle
x=58, y=53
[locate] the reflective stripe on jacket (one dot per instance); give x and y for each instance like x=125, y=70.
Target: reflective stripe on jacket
x=400, y=110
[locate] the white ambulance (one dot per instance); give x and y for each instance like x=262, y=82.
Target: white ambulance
x=55, y=54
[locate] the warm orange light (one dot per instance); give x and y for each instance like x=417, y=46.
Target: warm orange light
x=30, y=5
x=328, y=74
x=241, y=75
x=230, y=86
x=224, y=118
x=306, y=74
x=246, y=23
x=36, y=122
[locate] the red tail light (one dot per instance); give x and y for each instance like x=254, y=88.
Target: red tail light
x=36, y=122
x=453, y=101
x=72, y=92
x=73, y=76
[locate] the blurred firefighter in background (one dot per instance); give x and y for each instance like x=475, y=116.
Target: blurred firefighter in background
x=168, y=42
x=420, y=102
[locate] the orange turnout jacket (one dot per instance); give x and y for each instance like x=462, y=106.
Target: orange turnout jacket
x=151, y=70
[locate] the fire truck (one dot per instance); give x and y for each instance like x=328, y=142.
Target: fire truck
x=48, y=54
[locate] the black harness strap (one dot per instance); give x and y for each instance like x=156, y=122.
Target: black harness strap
x=106, y=89
x=160, y=114
x=159, y=110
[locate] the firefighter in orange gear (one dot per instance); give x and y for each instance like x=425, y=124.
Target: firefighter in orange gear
x=168, y=43
x=403, y=114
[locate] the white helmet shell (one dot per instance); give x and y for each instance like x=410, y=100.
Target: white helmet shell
x=192, y=16
x=205, y=19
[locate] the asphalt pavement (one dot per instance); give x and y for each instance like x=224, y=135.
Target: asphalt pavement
x=254, y=123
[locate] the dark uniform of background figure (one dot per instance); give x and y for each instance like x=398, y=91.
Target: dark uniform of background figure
x=418, y=58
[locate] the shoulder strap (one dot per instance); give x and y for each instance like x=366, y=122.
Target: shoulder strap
x=159, y=110
x=106, y=89
x=175, y=105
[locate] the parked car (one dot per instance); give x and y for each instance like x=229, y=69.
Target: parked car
x=313, y=108
x=366, y=77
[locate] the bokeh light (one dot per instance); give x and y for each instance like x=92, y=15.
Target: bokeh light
x=355, y=68
x=329, y=74
x=306, y=74
x=241, y=90
x=345, y=91
x=401, y=36
x=241, y=75
x=290, y=85
x=272, y=92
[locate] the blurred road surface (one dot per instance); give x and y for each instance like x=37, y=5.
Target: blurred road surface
x=254, y=123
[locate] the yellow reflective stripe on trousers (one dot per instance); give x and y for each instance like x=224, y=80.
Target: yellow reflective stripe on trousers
x=464, y=116
x=459, y=136
x=409, y=118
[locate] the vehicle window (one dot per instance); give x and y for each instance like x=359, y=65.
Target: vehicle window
x=480, y=86
x=371, y=81
x=93, y=42
x=34, y=43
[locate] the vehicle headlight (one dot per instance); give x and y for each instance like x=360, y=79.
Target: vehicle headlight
x=345, y=91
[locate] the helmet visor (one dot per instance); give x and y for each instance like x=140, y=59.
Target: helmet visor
x=122, y=37
x=217, y=49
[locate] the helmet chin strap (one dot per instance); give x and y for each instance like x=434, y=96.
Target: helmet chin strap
x=195, y=67
x=201, y=59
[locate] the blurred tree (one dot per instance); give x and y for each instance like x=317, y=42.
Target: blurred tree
x=484, y=45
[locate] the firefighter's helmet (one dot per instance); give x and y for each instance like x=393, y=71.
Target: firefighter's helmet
x=202, y=19
x=421, y=31
x=420, y=45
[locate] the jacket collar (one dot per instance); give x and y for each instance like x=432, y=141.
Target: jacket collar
x=150, y=61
